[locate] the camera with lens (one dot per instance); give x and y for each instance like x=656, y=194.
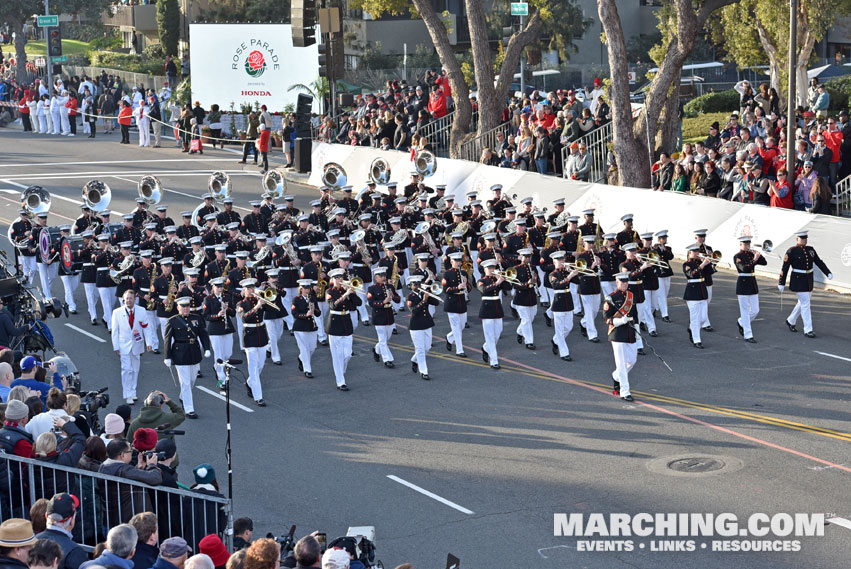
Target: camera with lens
x=149, y=453
x=287, y=542
x=90, y=403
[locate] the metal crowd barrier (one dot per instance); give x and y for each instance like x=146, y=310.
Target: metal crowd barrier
x=472, y=149
x=106, y=501
x=596, y=141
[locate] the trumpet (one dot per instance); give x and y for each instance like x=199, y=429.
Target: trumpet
x=653, y=258
x=715, y=258
x=581, y=267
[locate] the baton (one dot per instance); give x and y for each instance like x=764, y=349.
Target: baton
x=655, y=353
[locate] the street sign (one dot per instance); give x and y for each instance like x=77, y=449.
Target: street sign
x=47, y=21
x=39, y=62
x=519, y=9
x=631, y=75
x=59, y=59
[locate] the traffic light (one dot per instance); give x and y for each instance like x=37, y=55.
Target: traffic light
x=323, y=60
x=54, y=42
x=303, y=20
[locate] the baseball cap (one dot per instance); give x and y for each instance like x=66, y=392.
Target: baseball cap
x=63, y=505
x=174, y=547
x=29, y=363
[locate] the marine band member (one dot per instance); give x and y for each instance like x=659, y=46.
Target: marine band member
x=621, y=313
x=801, y=259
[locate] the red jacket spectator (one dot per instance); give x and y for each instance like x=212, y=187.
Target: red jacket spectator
x=71, y=105
x=125, y=115
x=263, y=140
x=769, y=158
x=22, y=106
x=833, y=139
x=442, y=81
x=786, y=201
x=437, y=104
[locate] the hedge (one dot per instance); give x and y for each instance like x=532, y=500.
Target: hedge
x=720, y=102
x=839, y=90
x=126, y=62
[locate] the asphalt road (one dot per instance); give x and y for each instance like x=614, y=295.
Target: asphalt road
x=501, y=452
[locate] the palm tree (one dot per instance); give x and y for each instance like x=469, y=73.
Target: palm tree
x=319, y=89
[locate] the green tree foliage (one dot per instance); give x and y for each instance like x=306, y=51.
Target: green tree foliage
x=168, y=25
x=248, y=11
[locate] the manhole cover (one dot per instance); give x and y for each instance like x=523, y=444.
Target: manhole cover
x=696, y=464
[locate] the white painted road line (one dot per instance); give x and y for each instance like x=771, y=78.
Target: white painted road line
x=222, y=397
x=211, y=159
x=431, y=495
x=14, y=184
x=833, y=356
x=95, y=173
x=83, y=332
x=839, y=522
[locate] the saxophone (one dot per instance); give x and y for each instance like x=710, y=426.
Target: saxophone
x=225, y=272
x=152, y=303
x=168, y=305
x=394, y=274
x=320, y=282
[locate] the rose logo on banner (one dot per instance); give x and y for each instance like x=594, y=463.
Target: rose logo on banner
x=746, y=226
x=255, y=64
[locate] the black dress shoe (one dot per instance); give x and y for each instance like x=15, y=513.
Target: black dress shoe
x=73, y=312
x=653, y=334
x=641, y=351
x=395, y=331
x=699, y=345
x=157, y=351
x=308, y=375
x=530, y=346
x=260, y=403
x=248, y=389
x=343, y=387
x=791, y=326
x=583, y=331
x=628, y=398
x=448, y=346
x=642, y=326
x=461, y=355
x=496, y=366
x=690, y=338
x=300, y=366
x=466, y=325
x=278, y=363
x=365, y=323
x=548, y=320
x=94, y=322
x=708, y=329
x=555, y=347
x=414, y=367
x=741, y=330
x=750, y=340
x=567, y=358
x=514, y=313
x=594, y=340
x=484, y=355
x=809, y=335
x=323, y=342
x=519, y=339
x=192, y=415
x=666, y=319
x=616, y=388
x=389, y=364
x=579, y=314
x=375, y=356
x=425, y=376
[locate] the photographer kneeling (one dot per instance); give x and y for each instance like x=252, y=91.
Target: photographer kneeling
x=153, y=415
x=123, y=501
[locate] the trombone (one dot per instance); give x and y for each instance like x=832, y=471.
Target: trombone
x=715, y=258
x=433, y=290
x=653, y=258
x=581, y=267
x=355, y=284
x=263, y=298
x=766, y=247
x=509, y=275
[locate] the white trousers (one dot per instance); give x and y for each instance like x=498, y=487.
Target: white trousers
x=748, y=309
x=306, y=342
x=44, y=121
x=696, y=314
x=362, y=311
x=705, y=322
x=543, y=291
x=661, y=299
x=625, y=356
x=47, y=274
x=222, y=350
x=422, y=344
x=320, y=321
x=64, y=120
x=590, y=306
x=255, y=357
x=456, y=335
x=144, y=134
x=289, y=296
x=30, y=268
x=608, y=287
x=35, y=122
x=802, y=309
x=129, y=374
x=474, y=255
x=56, y=123
x=381, y=348
x=645, y=313
x=163, y=322
x=91, y=299
x=574, y=292
x=341, y=353
x=562, y=325
x=107, y=301
x=70, y=284
x=527, y=316
x=238, y=333
x=186, y=375
x=492, y=328
x=275, y=329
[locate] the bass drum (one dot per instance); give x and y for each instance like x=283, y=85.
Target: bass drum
x=48, y=241
x=68, y=246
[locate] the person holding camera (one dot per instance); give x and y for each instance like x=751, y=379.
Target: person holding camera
x=123, y=500
x=8, y=330
x=57, y=408
x=154, y=413
x=29, y=368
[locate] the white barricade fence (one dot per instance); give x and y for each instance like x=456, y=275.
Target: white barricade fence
x=680, y=214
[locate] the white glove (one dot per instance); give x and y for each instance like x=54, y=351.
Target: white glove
x=620, y=321
x=780, y=288
x=829, y=276
x=207, y=354
x=167, y=363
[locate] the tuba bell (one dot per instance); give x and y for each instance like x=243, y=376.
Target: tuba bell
x=275, y=184
x=425, y=163
x=379, y=171
x=150, y=190
x=97, y=195
x=219, y=186
x=333, y=176
x=36, y=200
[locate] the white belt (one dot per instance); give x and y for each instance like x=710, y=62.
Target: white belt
x=304, y=247
x=88, y=264
x=561, y=291
x=286, y=268
x=252, y=325
x=339, y=312
x=634, y=282
x=694, y=280
x=747, y=275
x=805, y=271
x=357, y=265
x=103, y=268
x=490, y=298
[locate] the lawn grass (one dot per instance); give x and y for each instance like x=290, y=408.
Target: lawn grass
x=697, y=128
x=69, y=47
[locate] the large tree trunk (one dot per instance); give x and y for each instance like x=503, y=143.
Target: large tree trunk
x=491, y=97
x=20, y=51
x=666, y=138
x=460, y=90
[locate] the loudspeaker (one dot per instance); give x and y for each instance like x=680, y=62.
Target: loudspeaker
x=301, y=154
x=303, y=20
x=346, y=99
x=302, y=116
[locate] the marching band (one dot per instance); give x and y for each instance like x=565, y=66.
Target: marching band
x=320, y=275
